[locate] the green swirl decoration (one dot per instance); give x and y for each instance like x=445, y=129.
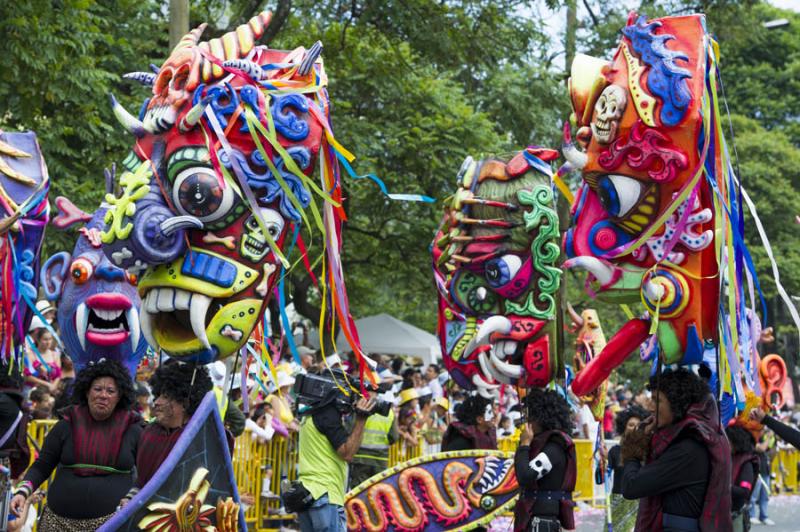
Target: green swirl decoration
x=544, y=251
x=135, y=186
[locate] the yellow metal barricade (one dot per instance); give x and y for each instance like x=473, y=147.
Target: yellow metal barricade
x=784, y=470
x=37, y=430
x=584, y=483
x=251, y=462
x=401, y=452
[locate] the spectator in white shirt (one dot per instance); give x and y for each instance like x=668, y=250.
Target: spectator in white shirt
x=432, y=376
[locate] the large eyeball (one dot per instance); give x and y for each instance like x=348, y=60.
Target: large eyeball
x=197, y=192
x=500, y=271
x=619, y=194
x=81, y=270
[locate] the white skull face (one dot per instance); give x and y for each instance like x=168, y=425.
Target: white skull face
x=608, y=111
x=254, y=246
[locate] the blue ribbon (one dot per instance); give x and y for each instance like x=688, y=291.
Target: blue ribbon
x=381, y=185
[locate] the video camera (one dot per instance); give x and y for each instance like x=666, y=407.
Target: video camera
x=317, y=390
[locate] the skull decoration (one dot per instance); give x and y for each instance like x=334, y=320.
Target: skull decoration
x=24, y=213
x=642, y=223
x=608, y=111
x=98, y=305
x=494, y=264
x=254, y=246
x=222, y=166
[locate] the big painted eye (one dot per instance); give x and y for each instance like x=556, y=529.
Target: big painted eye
x=500, y=271
x=81, y=270
x=197, y=192
x=619, y=194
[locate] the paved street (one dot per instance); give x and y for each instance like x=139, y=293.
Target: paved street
x=783, y=509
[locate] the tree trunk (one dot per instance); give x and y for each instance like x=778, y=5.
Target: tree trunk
x=178, y=21
x=570, y=38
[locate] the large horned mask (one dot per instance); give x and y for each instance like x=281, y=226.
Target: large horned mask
x=494, y=264
x=222, y=167
x=642, y=221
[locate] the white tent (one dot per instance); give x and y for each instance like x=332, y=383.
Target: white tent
x=386, y=334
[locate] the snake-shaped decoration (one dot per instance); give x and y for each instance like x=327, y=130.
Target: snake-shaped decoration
x=462, y=489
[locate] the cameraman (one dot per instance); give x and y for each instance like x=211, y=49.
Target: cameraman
x=325, y=449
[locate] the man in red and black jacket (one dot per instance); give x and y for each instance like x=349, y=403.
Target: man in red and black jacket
x=679, y=463
x=545, y=465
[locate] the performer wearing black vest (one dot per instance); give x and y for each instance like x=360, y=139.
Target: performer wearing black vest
x=545, y=465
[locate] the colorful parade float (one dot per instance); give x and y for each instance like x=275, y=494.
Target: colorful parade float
x=659, y=215
x=221, y=178
x=24, y=185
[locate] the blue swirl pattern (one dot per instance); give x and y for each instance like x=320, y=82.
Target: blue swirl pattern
x=666, y=80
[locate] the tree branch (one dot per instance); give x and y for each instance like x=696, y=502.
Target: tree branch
x=279, y=17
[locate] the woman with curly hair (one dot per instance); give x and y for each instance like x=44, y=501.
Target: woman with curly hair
x=545, y=465
x=679, y=463
x=92, y=450
x=475, y=426
x=744, y=474
x=623, y=511
x=178, y=389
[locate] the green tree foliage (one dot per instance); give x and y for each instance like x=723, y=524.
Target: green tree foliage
x=60, y=61
x=416, y=86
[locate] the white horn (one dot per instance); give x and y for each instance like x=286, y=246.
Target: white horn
x=128, y=121
x=602, y=271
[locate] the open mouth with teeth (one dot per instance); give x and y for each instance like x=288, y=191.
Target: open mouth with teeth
x=193, y=325
x=107, y=319
x=501, y=346
x=160, y=118
x=495, y=475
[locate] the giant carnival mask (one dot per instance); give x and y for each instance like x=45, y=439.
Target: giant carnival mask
x=24, y=213
x=98, y=304
x=494, y=264
x=221, y=170
x=649, y=223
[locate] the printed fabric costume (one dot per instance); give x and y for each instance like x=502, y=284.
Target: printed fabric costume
x=460, y=437
x=98, y=305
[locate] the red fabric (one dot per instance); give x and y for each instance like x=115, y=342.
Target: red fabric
x=608, y=421
x=97, y=442
x=702, y=422
x=155, y=444
x=523, y=511
x=480, y=440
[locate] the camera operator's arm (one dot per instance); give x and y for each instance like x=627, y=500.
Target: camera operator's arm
x=348, y=449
